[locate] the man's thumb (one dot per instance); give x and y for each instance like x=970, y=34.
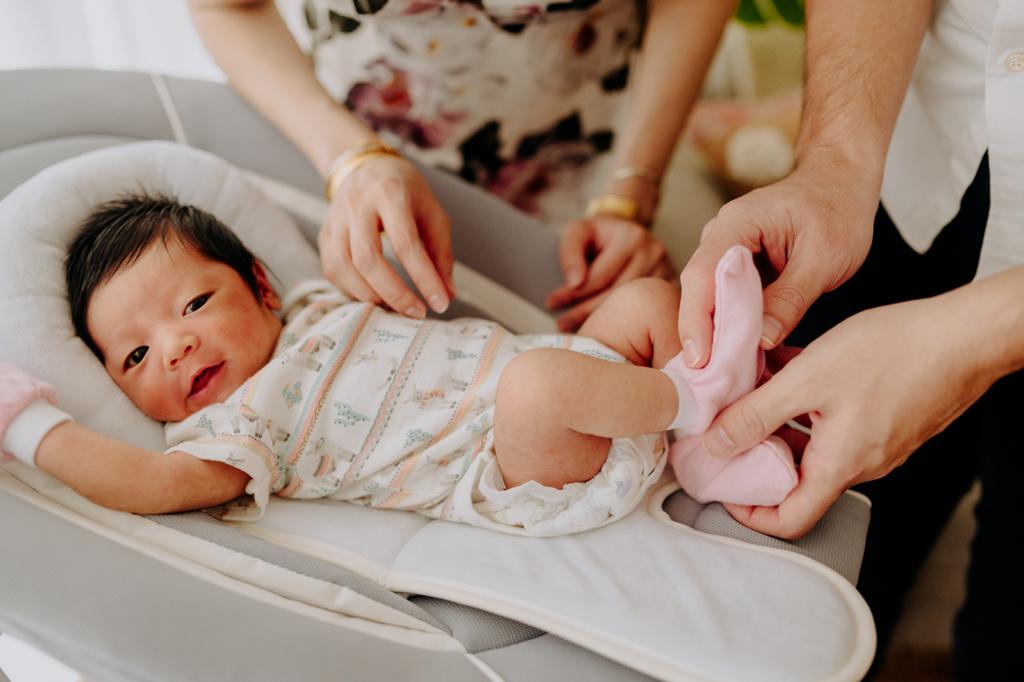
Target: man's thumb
x=786, y=300
x=749, y=420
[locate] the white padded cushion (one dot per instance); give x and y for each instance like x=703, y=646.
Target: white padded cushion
x=38, y=221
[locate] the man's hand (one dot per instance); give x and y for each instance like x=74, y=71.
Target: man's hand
x=387, y=194
x=875, y=387
x=620, y=250
x=812, y=229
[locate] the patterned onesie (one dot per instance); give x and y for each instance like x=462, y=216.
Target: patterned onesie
x=367, y=406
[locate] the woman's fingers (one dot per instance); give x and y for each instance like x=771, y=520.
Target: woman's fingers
x=572, y=252
x=617, y=249
x=618, y=243
x=388, y=194
x=641, y=265
x=436, y=231
x=401, y=230
x=336, y=260
x=576, y=239
x=369, y=262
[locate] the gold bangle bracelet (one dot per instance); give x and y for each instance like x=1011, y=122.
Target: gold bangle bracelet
x=613, y=204
x=349, y=160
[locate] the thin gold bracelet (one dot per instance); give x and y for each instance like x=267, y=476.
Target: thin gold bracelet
x=644, y=172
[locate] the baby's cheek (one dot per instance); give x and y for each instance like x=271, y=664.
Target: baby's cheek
x=155, y=401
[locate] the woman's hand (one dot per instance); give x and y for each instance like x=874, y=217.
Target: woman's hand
x=876, y=387
x=387, y=194
x=812, y=228
x=618, y=250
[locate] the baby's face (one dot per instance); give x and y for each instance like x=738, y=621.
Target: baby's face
x=179, y=332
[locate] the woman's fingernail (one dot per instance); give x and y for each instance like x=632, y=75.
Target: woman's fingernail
x=414, y=311
x=439, y=303
x=574, y=277
x=771, y=330
x=718, y=443
x=691, y=354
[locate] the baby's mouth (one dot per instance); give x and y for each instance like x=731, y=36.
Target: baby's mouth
x=201, y=380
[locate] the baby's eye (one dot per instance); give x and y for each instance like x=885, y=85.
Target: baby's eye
x=135, y=357
x=196, y=303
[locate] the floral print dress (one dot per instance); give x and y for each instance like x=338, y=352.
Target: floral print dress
x=519, y=97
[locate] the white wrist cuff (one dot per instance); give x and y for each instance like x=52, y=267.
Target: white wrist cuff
x=30, y=427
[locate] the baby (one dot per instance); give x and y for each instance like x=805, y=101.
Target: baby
x=316, y=395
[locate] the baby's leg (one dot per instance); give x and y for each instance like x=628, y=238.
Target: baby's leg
x=557, y=411
x=639, y=321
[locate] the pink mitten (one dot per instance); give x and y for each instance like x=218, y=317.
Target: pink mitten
x=736, y=359
x=19, y=391
x=765, y=474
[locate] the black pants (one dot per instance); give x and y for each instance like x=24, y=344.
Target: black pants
x=912, y=504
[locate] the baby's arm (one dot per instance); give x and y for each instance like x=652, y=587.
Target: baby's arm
x=107, y=471
x=128, y=478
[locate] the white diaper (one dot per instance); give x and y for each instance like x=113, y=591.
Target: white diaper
x=481, y=498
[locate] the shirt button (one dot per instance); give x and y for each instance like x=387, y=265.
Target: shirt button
x=1015, y=62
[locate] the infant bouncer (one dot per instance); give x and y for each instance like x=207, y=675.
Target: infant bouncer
x=324, y=589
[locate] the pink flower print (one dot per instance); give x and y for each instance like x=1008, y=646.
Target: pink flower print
x=422, y=6
x=521, y=182
x=389, y=106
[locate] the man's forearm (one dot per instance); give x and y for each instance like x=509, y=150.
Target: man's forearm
x=860, y=56
x=990, y=314
x=679, y=41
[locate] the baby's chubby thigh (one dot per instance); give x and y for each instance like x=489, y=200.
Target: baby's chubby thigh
x=533, y=435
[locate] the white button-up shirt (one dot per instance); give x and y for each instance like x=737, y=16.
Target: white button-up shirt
x=966, y=96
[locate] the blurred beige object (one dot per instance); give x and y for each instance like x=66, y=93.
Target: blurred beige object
x=690, y=198
x=776, y=57
x=758, y=154
x=756, y=61
x=746, y=144
x=747, y=124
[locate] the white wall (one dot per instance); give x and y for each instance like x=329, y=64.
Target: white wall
x=144, y=35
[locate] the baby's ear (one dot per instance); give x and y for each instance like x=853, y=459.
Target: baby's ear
x=268, y=296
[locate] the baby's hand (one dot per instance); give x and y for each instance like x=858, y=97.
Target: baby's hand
x=18, y=390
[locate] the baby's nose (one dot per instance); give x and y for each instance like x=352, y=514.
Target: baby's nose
x=181, y=349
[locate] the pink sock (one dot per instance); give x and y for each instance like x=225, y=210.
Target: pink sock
x=765, y=474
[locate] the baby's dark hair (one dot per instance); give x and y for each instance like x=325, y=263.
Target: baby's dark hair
x=117, y=232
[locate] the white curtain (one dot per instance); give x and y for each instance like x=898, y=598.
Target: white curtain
x=141, y=35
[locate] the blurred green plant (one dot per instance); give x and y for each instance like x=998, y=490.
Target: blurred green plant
x=763, y=12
